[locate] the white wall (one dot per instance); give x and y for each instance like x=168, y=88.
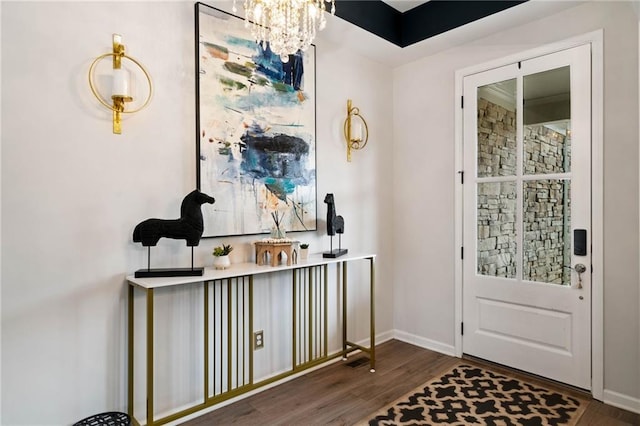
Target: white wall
x=72, y=193
x=424, y=163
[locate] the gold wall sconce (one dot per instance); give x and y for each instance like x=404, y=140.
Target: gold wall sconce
x=356, y=131
x=120, y=89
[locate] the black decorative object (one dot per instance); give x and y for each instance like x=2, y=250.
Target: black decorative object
x=189, y=227
x=335, y=225
x=111, y=418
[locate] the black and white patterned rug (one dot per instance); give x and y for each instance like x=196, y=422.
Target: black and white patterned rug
x=471, y=395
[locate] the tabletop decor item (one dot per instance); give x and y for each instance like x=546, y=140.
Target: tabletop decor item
x=335, y=225
x=188, y=227
x=221, y=258
x=270, y=251
x=277, y=232
x=304, y=251
x=256, y=129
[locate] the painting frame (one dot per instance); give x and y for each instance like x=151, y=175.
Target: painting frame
x=255, y=130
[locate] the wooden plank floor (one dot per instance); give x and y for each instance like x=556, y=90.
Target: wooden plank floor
x=341, y=394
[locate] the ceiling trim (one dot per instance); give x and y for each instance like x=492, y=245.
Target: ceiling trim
x=427, y=20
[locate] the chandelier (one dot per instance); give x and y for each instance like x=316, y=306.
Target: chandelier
x=287, y=25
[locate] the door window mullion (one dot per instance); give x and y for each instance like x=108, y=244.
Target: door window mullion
x=519, y=171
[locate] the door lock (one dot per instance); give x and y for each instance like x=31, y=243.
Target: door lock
x=580, y=268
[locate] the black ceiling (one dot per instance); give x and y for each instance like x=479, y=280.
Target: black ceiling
x=427, y=20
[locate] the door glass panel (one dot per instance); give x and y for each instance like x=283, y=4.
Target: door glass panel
x=547, y=122
x=496, y=230
x=547, y=231
x=497, y=129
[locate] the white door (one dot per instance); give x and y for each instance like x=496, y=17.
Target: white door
x=527, y=216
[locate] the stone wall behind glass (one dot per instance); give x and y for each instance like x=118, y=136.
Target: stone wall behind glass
x=546, y=227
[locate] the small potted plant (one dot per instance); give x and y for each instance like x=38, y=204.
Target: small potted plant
x=304, y=251
x=221, y=256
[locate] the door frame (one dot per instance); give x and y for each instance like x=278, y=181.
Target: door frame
x=595, y=39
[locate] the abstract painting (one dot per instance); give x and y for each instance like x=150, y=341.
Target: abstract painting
x=256, y=143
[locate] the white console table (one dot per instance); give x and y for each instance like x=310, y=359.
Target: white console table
x=233, y=290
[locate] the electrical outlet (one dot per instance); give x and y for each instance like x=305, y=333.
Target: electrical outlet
x=258, y=340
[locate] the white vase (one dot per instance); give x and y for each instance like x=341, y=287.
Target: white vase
x=304, y=253
x=221, y=262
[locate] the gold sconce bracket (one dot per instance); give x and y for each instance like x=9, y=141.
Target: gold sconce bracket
x=355, y=139
x=117, y=104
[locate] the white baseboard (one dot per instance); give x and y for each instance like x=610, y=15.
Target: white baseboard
x=425, y=343
x=380, y=338
x=619, y=400
x=384, y=337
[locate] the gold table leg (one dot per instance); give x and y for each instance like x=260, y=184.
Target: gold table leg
x=344, y=310
x=130, y=355
x=250, y=337
x=206, y=340
x=372, y=313
x=294, y=329
x=149, y=357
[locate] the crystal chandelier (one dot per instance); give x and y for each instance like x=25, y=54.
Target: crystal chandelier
x=287, y=25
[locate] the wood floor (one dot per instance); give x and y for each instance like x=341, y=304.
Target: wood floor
x=341, y=394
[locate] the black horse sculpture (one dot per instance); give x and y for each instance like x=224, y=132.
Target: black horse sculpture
x=335, y=225
x=189, y=227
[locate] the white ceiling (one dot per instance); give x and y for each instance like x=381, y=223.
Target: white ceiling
x=343, y=33
x=403, y=5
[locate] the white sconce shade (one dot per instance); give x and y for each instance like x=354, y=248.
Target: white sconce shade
x=120, y=83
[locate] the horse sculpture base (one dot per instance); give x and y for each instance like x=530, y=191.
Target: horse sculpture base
x=169, y=272
x=334, y=253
